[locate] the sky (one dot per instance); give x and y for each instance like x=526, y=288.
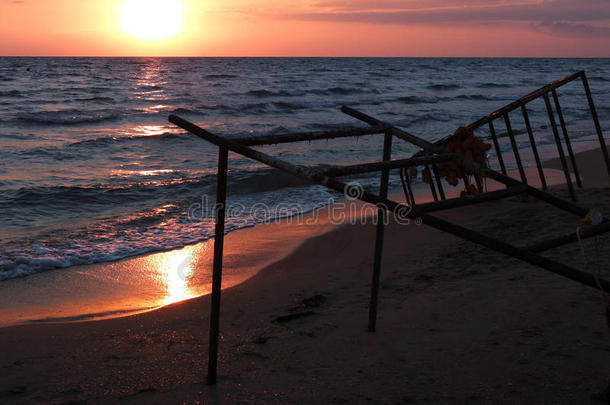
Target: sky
x=479, y=28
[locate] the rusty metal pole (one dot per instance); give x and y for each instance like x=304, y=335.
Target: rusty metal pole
x=515, y=147
x=492, y=132
x=381, y=219
x=405, y=178
x=562, y=156
x=564, y=129
x=530, y=134
x=439, y=182
x=432, y=188
x=598, y=128
x=219, y=232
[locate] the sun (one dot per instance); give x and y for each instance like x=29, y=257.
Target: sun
x=152, y=19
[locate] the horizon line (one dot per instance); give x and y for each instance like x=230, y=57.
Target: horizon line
x=294, y=57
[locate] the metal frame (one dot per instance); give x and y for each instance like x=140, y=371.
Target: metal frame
x=434, y=153
x=521, y=104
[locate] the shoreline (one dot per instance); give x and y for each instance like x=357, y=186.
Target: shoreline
x=151, y=281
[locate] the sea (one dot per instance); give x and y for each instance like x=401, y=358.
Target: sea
x=91, y=171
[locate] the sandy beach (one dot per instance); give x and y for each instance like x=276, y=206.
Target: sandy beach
x=457, y=324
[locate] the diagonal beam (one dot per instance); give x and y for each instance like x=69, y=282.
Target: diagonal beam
x=470, y=199
x=584, y=233
x=308, y=136
x=336, y=171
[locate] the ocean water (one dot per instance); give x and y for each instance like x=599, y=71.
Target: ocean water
x=91, y=171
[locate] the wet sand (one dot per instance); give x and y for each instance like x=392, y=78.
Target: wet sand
x=457, y=324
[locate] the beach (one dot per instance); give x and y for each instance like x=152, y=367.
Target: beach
x=457, y=323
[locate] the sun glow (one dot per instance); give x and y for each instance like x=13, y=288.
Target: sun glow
x=178, y=270
x=152, y=19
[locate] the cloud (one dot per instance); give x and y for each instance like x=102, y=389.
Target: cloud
x=560, y=17
x=364, y=5
x=572, y=30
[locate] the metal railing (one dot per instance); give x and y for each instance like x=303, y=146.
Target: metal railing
x=543, y=92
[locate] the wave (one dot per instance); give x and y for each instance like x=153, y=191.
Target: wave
x=89, y=316
x=494, y=86
x=341, y=91
x=318, y=92
x=258, y=108
x=98, y=99
x=269, y=93
x=11, y=94
x=378, y=74
x=431, y=117
x=487, y=97
x=153, y=87
x=286, y=105
x=67, y=117
x=220, y=76
x=83, y=149
x=419, y=99
x=165, y=226
x=441, y=87
x=137, y=188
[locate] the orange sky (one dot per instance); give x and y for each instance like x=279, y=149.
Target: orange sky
x=316, y=28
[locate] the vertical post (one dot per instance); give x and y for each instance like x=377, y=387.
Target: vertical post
x=439, y=182
x=477, y=179
x=219, y=232
x=530, y=134
x=513, y=143
x=432, y=188
x=492, y=131
x=381, y=218
x=410, y=186
x=598, y=128
x=564, y=129
x=562, y=156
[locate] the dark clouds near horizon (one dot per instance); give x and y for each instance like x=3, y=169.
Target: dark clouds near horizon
x=572, y=18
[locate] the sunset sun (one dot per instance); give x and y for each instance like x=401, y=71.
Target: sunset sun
x=151, y=19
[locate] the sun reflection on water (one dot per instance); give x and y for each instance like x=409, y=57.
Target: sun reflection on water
x=176, y=269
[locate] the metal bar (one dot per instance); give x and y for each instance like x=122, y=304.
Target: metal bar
x=598, y=127
x=520, y=102
x=525, y=99
x=530, y=134
x=492, y=131
x=432, y=188
x=406, y=185
x=307, y=136
x=400, y=209
x=466, y=184
x=336, y=171
x=381, y=220
x=513, y=143
x=472, y=166
x=471, y=199
x=219, y=232
x=477, y=179
x=585, y=233
x=439, y=182
x=562, y=156
x=564, y=129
